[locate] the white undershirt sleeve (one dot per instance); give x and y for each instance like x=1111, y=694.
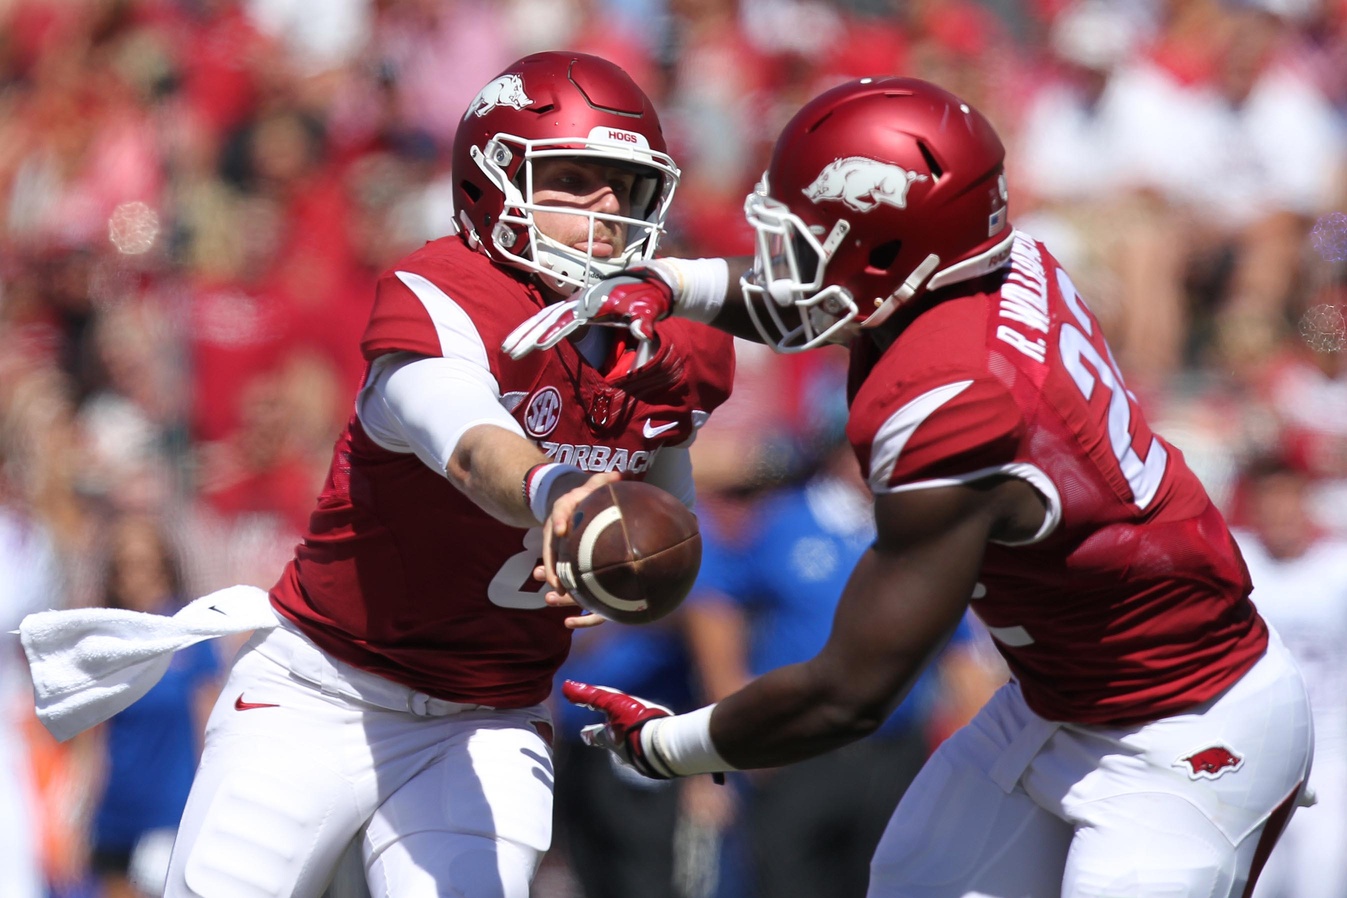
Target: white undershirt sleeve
x=671, y=471
x=419, y=404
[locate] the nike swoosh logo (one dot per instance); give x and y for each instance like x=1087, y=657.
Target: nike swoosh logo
x=651, y=430
x=241, y=705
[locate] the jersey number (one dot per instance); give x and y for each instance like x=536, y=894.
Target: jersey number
x=514, y=586
x=1089, y=368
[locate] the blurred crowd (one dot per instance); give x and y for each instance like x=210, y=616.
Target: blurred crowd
x=197, y=195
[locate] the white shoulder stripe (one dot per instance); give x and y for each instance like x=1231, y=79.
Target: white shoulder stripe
x=894, y=433
x=458, y=335
x=1033, y=474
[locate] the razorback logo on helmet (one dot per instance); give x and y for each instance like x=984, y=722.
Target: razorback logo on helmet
x=1209, y=763
x=507, y=90
x=543, y=412
x=863, y=184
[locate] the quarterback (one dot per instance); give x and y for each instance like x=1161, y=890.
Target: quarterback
x=397, y=707
x=1155, y=736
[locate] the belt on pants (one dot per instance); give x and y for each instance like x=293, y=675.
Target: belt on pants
x=297, y=653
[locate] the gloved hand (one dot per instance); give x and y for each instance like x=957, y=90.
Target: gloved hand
x=621, y=735
x=634, y=300
x=542, y=330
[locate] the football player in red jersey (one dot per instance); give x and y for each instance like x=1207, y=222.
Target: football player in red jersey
x=398, y=706
x=1155, y=736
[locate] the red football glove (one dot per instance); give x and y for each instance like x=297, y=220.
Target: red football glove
x=622, y=733
x=634, y=300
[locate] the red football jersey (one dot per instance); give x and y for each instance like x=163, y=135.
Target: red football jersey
x=1132, y=602
x=399, y=572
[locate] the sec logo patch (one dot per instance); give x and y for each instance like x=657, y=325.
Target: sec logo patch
x=543, y=412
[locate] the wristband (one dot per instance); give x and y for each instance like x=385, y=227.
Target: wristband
x=682, y=744
x=699, y=286
x=537, y=485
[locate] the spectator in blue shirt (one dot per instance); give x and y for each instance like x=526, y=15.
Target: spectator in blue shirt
x=615, y=826
x=150, y=750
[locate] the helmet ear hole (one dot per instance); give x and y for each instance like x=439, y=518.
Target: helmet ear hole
x=926, y=154
x=470, y=190
x=883, y=256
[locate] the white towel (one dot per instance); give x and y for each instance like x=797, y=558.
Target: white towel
x=89, y=663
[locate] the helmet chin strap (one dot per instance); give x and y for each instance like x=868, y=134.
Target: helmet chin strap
x=906, y=291
x=984, y=262
x=566, y=272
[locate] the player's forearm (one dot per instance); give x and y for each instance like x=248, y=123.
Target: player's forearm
x=889, y=624
x=788, y=715
x=489, y=464
x=701, y=296
x=779, y=718
x=893, y=617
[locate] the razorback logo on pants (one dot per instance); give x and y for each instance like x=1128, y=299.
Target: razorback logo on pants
x=1210, y=763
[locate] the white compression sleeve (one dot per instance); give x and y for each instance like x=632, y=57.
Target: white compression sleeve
x=420, y=404
x=699, y=285
x=682, y=743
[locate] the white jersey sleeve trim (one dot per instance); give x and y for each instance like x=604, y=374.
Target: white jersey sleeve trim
x=458, y=335
x=1031, y=474
x=424, y=405
x=699, y=419
x=893, y=434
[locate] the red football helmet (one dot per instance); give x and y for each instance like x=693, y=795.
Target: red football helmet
x=877, y=190
x=558, y=104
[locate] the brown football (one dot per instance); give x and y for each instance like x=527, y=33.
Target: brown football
x=632, y=552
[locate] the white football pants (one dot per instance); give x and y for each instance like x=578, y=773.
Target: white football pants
x=1311, y=858
x=1014, y=806
x=305, y=755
